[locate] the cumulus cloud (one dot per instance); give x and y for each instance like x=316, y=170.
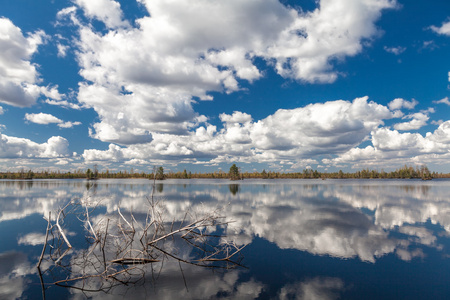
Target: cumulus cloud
x=305, y=49
x=44, y=119
x=301, y=133
x=13, y=147
x=1, y=111
x=107, y=11
x=400, y=148
x=400, y=103
x=236, y=117
x=19, y=78
x=142, y=79
x=444, y=29
x=418, y=120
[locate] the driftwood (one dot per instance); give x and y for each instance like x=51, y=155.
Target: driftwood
x=121, y=250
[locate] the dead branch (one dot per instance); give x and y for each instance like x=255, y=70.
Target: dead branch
x=46, y=238
x=133, y=261
x=120, y=254
x=59, y=226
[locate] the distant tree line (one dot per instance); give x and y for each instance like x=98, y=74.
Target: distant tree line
x=406, y=172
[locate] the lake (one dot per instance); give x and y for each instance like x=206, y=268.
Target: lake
x=305, y=239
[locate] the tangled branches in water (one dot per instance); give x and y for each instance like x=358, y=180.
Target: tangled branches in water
x=123, y=247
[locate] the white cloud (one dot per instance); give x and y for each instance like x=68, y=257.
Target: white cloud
x=316, y=288
x=19, y=78
x=151, y=73
x=429, y=45
x=395, y=50
x=32, y=239
x=63, y=103
x=438, y=122
x=395, y=148
x=441, y=134
x=444, y=29
x=400, y=103
x=68, y=124
x=289, y=135
x=1, y=110
x=107, y=11
x=236, y=117
x=418, y=120
x=44, y=119
x=305, y=49
x=443, y=101
x=62, y=50
x=13, y=147
x=114, y=153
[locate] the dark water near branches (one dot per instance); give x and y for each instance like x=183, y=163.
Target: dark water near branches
x=307, y=239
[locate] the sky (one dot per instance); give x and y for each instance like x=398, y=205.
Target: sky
x=281, y=85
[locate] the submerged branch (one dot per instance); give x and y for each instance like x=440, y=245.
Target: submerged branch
x=116, y=255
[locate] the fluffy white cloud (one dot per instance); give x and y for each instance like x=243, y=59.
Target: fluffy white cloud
x=13, y=147
x=400, y=148
x=236, y=117
x=400, y=103
x=290, y=135
x=107, y=11
x=418, y=120
x=44, y=119
x=142, y=80
x=444, y=29
x=442, y=134
x=19, y=78
x=306, y=48
x=1, y=110
x=114, y=153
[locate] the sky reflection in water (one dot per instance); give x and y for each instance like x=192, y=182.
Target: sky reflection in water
x=307, y=239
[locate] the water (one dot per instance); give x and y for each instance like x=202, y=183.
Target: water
x=306, y=239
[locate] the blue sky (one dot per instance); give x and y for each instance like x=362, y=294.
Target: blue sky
x=202, y=84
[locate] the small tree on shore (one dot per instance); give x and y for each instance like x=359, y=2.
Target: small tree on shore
x=234, y=172
x=160, y=173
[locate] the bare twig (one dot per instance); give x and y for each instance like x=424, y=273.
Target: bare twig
x=60, y=229
x=46, y=238
x=118, y=210
x=89, y=223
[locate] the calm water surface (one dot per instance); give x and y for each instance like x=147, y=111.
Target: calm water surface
x=307, y=239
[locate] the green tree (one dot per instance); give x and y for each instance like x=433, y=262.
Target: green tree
x=264, y=174
x=234, y=172
x=160, y=173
